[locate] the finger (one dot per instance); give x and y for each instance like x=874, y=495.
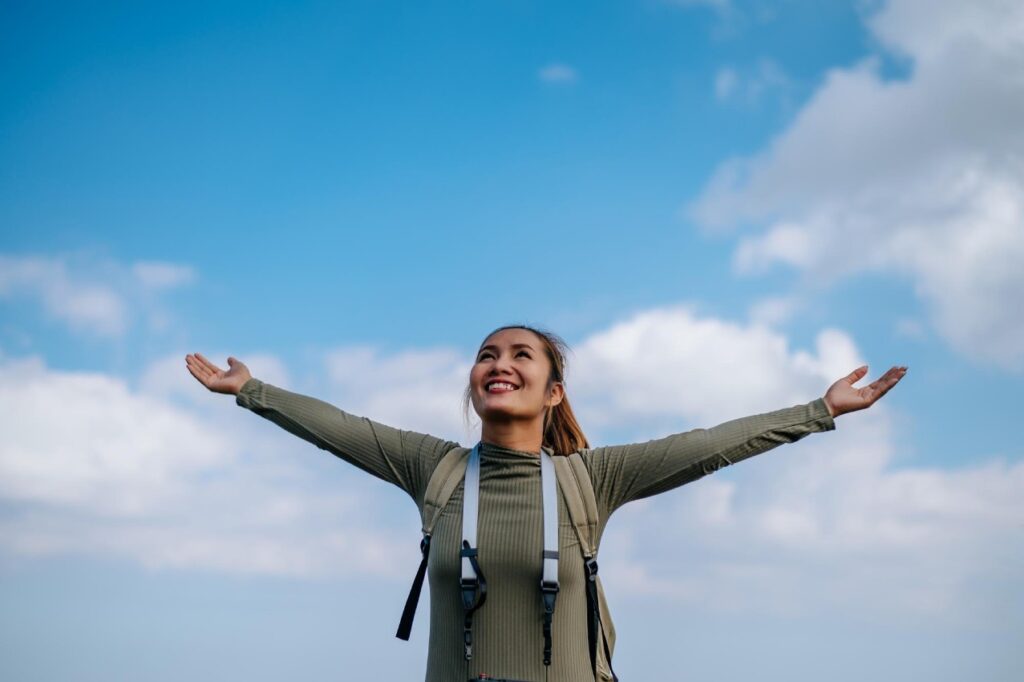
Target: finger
x=884, y=383
x=890, y=378
x=212, y=367
x=897, y=374
x=197, y=370
x=879, y=383
x=856, y=375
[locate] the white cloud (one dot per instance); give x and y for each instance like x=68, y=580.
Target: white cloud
x=923, y=177
x=91, y=295
x=85, y=306
x=418, y=389
x=672, y=363
x=558, y=73
x=89, y=466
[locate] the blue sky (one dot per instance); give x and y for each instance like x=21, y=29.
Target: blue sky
x=722, y=206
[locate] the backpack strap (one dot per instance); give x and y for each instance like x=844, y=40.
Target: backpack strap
x=580, y=500
x=472, y=583
x=549, y=587
x=443, y=481
x=446, y=478
x=578, y=493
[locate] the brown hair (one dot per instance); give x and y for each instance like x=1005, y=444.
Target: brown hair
x=562, y=433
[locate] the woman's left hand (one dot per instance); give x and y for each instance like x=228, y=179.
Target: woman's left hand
x=842, y=397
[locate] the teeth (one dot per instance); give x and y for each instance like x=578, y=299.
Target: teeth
x=499, y=384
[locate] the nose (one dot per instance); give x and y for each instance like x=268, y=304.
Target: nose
x=500, y=366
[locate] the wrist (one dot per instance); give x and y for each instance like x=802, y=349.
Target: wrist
x=238, y=389
x=831, y=410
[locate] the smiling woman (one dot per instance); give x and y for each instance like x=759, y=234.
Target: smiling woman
x=513, y=578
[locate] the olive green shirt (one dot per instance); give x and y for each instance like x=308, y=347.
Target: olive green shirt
x=507, y=635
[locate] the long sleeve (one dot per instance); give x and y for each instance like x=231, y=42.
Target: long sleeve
x=404, y=458
x=622, y=473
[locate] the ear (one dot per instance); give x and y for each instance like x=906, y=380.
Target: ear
x=557, y=394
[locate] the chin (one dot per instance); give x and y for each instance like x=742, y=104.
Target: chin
x=498, y=413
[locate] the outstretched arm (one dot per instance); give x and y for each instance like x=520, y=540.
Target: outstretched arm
x=404, y=458
x=623, y=473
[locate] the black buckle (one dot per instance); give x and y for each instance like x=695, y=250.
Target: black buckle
x=467, y=639
x=591, y=567
x=469, y=593
x=548, y=593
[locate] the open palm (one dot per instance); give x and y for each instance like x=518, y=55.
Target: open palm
x=842, y=397
x=216, y=379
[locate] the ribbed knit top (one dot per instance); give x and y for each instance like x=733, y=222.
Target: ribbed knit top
x=507, y=635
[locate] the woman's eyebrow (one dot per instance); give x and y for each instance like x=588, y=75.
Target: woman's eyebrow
x=495, y=348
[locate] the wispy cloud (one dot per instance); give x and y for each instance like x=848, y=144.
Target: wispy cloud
x=163, y=275
x=727, y=81
x=751, y=85
x=88, y=306
x=91, y=295
x=718, y=5
x=557, y=73
x=729, y=19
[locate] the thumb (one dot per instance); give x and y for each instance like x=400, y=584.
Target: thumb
x=232, y=360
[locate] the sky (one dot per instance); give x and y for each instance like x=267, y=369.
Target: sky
x=723, y=206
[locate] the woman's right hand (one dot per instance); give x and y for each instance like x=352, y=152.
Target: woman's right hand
x=216, y=379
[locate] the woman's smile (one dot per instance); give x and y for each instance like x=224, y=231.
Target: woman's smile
x=500, y=387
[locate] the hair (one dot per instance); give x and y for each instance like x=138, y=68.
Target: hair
x=562, y=433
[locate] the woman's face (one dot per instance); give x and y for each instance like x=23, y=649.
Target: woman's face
x=510, y=376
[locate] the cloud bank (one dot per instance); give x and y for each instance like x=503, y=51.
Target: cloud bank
x=832, y=521
x=922, y=177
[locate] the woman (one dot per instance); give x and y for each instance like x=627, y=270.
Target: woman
x=516, y=386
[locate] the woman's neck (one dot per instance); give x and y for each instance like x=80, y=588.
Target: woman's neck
x=514, y=434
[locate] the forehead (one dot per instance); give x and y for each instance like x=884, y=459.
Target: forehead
x=509, y=337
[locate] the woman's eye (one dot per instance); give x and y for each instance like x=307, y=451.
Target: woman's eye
x=488, y=355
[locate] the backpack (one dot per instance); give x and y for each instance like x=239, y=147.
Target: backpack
x=578, y=493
